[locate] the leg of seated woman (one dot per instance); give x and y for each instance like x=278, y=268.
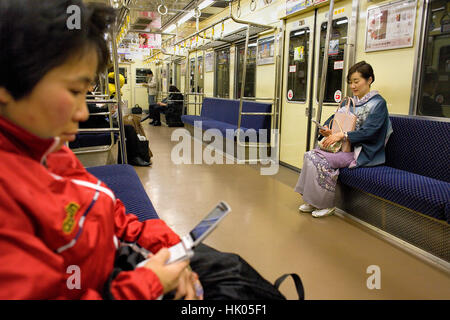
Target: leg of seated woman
x=318, y=178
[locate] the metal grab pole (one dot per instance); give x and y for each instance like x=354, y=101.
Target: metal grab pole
x=119, y=99
x=324, y=68
x=244, y=73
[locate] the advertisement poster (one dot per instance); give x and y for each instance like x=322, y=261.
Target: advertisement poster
x=391, y=26
x=299, y=54
x=209, y=62
x=266, y=51
x=333, y=49
x=296, y=5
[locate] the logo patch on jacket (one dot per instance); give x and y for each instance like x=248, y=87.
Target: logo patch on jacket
x=69, y=222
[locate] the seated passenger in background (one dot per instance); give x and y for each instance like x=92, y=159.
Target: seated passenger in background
x=318, y=178
x=60, y=227
x=136, y=156
x=170, y=106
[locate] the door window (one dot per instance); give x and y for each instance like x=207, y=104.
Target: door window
x=222, y=74
x=250, y=76
x=298, y=65
x=434, y=94
x=336, y=53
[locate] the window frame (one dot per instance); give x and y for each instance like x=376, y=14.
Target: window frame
x=236, y=64
x=228, y=48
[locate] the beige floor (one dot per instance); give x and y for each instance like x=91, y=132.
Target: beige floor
x=265, y=227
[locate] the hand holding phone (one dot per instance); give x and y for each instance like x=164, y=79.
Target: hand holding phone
x=321, y=127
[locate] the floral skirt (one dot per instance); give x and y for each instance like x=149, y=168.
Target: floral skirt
x=318, y=178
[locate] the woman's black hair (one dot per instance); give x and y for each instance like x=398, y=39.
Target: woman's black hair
x=173, y=89
x=35, y=38
x=364, y=69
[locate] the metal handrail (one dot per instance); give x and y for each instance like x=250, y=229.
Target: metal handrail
x=86, y=130
x=101, y=101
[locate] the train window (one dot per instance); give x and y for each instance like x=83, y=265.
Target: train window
x=222, y=74
x=298, y=64
x=338, y=40
x=434, y=94
x=141, y=75
x=200, y=75
x=250, y=76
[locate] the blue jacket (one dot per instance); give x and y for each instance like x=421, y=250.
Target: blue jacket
x=371, y=136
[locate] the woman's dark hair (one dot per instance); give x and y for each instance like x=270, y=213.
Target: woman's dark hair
x=35, y=38
x=364, y=69
x=173, y=89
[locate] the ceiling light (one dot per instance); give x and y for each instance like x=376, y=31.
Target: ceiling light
x=205, y=4
x=170, y=28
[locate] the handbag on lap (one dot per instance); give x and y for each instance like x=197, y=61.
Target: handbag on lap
x=343, y=121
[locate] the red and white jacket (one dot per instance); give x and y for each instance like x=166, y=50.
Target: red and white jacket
x=58, y=221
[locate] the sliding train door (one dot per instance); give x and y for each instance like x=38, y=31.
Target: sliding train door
x=304, y=48
x=298, y=62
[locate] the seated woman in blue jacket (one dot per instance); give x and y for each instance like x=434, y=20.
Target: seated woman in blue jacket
x=317, y=181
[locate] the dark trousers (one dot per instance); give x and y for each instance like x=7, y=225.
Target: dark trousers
x=154, y=112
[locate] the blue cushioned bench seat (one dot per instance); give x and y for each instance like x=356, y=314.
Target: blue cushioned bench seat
x=124, y=181
x=416, y=174
x=92, y=140
x=422, y=194
x=223, y=114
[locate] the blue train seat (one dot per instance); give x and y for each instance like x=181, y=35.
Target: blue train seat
x=123, y=180
x=223, y=114
x=416, y=174
x=92, y=140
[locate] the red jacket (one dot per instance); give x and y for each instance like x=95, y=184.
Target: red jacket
x=56, y=217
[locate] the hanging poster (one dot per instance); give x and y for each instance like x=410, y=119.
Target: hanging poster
x=209, y=62
x=333, y=49
x=297, y=5
x=299, y=54
x=391, y=26
x=266, y=51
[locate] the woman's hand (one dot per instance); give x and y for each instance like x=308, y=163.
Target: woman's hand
x=189, y=286
x=326, y=132
x=329, y=140
x=169, y=274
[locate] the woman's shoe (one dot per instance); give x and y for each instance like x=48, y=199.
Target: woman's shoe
x=323, y=212
x=307, y=208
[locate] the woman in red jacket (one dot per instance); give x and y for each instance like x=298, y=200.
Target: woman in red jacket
x=60, y=227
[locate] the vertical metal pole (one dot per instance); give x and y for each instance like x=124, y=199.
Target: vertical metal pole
x=195, y=81
x=324, y=67
x=244, y=73
x=123, y=147
x=203, y=89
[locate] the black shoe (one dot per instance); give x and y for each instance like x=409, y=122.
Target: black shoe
x=156, y=123
x=138, y=161
x=152, y=122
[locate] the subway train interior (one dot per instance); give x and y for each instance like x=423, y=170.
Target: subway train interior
x=225, y=98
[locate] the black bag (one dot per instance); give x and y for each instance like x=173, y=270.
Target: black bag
x=143, y=150
x=226, y=276
x=136, y=110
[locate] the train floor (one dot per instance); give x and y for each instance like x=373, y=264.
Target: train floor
x=265, y=227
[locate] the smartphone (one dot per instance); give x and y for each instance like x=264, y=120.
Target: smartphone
x=184, y=249
x=321, y=127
